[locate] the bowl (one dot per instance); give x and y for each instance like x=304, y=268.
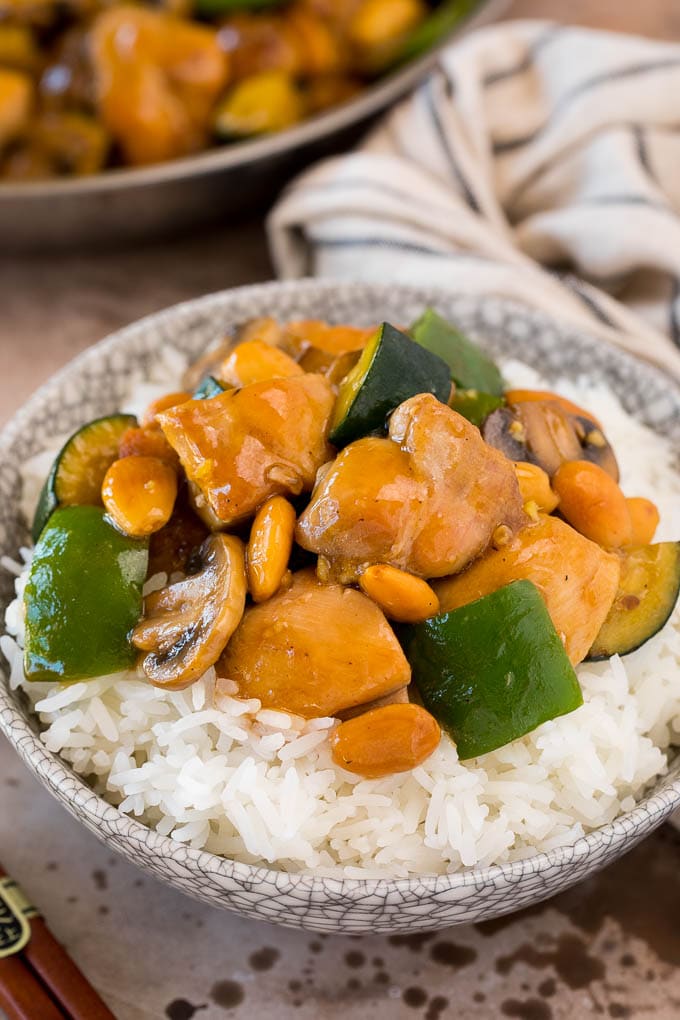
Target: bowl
x=119, y=206
x=95, y=383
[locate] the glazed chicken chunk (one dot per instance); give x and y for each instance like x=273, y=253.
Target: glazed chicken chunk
x=577, y=579
x=246, y=445
x=427, y=500
x=314, y=650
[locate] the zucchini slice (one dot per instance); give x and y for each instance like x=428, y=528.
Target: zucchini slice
x=391, y=369
x=492, y=670
x=648, y=591
x=470, y=368
x=208, y=388
x=83, y=597
x=76, y=476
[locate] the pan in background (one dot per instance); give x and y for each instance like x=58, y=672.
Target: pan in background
x=121, y=206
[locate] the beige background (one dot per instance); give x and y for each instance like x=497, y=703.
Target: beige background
x=610, y=948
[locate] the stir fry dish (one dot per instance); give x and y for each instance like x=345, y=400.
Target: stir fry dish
x=358, y=524
x=91, y=84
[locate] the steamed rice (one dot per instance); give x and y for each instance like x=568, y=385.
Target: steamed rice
x=258, y=785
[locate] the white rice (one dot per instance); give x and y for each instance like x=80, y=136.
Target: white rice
x=258, y=785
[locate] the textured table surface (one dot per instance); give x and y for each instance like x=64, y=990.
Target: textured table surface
x=609, y=948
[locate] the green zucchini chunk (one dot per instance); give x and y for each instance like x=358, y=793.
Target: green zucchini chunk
x=475, y=406
x=208, y=388
x=76, y=476
x=648, y=591
x=391, y=369
x=493, y=670
x=211, y=7
x=470, y=368
x=83, y=597
x=441, y=22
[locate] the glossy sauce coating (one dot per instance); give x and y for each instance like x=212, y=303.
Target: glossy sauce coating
x=426, y=500
x=246, y=445
x=314, y=650
x=394, y=738
x=139, y=494
x=269, y=547
x=577, y=579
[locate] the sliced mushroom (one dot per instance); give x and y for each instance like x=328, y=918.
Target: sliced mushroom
x=544, y=433
x=207, y=363
x=188, y=624
x=595, y=447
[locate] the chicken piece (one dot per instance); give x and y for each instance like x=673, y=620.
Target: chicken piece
x=256, y=43
x=577, y=579
x=59, y=144
x=255, y=361
x=315, y=650
x=157, y=80
x=16, y=98
x=297, y=42
x=427, y=500
x=333, y=340
x=246, y=445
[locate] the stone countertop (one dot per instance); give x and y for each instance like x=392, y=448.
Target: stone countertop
x=609, y=948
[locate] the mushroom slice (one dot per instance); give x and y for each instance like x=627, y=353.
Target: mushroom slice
x=595, y=446
x=188, y=624
x=207, y=363
x=542, y=432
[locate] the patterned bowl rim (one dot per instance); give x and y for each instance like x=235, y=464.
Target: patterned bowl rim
x=108, y=822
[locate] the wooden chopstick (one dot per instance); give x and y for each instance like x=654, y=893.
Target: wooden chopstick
x=22, y=997
x=40, y=981
x=57, y=971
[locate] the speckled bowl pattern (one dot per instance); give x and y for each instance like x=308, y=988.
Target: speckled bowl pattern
x=96, y=382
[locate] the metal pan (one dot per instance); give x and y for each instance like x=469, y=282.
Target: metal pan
x=121, y=206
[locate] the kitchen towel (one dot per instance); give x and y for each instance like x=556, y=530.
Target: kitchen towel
x=538, y=162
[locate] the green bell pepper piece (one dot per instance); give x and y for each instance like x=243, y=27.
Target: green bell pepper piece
x=470, y=368
x=475, y=406
x=446, y=16
x=83, y=597
x=209, y=7
x=492, y=670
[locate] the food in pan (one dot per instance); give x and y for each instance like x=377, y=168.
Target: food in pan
x=87, y=85
x=343, y=597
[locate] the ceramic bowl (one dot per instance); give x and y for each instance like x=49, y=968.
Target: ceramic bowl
x=95, y=383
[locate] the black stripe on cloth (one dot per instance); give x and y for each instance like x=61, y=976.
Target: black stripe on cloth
x=640, y=200
x=447, y=147
x=542, y=40
x=388, y=189
x=584, y=294
x=504, y=145
x=642, y=152
x=674, y=317
x=547, y=165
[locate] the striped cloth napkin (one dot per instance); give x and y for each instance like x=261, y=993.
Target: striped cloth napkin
x=538, y=162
